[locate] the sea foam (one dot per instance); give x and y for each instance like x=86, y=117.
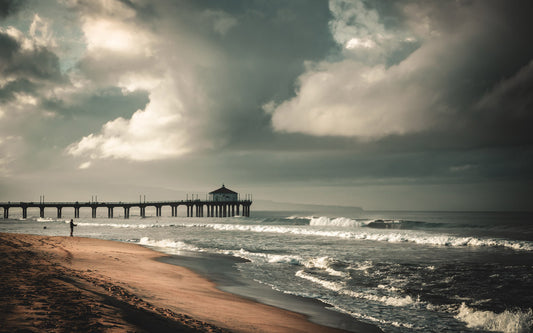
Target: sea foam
x=340, y=288
x=325, y=263
x=122, y=225
x=338, y=222
x=169, y=244
x=381, y=236
x=507, y=321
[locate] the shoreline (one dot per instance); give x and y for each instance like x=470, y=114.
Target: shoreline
x=220, y=269
x=54, y=282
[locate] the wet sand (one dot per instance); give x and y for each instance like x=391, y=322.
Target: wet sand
x=58, y=284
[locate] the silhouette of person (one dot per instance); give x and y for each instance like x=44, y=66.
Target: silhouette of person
x=72, y=225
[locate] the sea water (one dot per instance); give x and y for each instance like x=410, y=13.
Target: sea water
x=401, y=271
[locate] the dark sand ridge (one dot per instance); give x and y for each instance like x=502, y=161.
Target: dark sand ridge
x=58, y=284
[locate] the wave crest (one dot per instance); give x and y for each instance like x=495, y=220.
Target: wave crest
x=385, y=236
x=169, y=244
x=507, y=321
x=340, y=287
x=337, y=222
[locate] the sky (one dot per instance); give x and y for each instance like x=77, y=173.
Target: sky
x=384, y=105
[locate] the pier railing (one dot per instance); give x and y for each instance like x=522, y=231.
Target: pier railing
x=197, y=208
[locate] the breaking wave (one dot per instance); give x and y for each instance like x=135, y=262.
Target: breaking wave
x=338, y=222
x=507, y=321
x=124, y=225
x=323, y=263
x=170, y=244
x=340, y=288
x=385, y=236
x=341, y=227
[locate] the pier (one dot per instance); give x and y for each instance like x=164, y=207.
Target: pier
x=195, y=208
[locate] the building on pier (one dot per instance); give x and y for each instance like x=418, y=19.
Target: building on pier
x=223, y=194
x=222, y=203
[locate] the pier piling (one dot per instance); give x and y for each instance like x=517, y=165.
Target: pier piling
x=195, y=208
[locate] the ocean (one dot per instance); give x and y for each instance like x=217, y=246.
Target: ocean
x=401, y=271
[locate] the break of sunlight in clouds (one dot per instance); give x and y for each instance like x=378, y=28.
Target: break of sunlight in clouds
x=165, y=128
x=115, y=36
x=360, y=95
x=356, y=42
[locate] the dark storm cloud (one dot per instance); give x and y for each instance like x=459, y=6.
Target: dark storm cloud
x=260, y=59
x=448, y=167
x=9, y=7
x=39, y=64
x=99, y=105
x=7, y=92
x=8, y=46
x=36, y=63
x=26, y=70
x=87, y=114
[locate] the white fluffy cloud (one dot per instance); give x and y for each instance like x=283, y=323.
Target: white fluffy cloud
x=154, y=133
x=361, y=95
x=351, y=99
x=140, y=59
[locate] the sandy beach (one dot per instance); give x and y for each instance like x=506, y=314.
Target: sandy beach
x=58, y=284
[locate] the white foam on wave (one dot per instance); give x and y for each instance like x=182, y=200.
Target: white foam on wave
x=122, y=225
x=380, y=322
x=324, y=263
x=390, y=236
x=340, y=288
x=507, y=321
x=362, y=266
x=258, y=257
x=48, y=219
x=381, y=236
x=295, y=217
x=337, y=222
x=264, y=257
x=169, y=244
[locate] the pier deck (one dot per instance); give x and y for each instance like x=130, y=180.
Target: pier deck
x=195, y=208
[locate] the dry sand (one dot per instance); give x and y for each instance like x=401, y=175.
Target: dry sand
x=72, y=284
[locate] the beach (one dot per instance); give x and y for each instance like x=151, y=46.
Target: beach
x=273, y=272
x=54, y=284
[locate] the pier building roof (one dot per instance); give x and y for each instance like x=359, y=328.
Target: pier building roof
x=223, y=190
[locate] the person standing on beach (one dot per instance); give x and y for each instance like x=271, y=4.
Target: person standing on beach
x=72, y=225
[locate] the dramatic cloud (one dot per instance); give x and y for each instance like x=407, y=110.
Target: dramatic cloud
x=370, y=95
x=29, y=71
x=320, y=100
x=123, y=52
x=201, y=69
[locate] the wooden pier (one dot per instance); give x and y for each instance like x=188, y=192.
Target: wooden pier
x=195, y=208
